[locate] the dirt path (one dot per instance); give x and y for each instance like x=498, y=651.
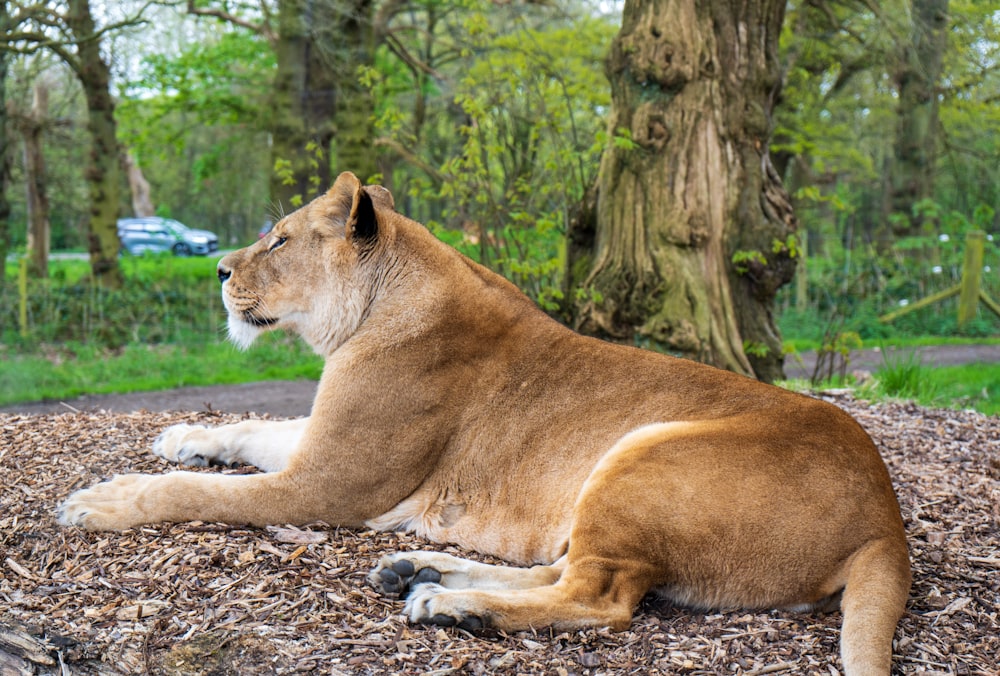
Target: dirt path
x=294, y=398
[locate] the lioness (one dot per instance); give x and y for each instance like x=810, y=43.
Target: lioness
x=452, y=407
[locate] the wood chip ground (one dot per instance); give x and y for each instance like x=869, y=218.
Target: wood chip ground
x=203, y=598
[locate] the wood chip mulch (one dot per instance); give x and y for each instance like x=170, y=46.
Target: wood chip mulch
x=202, y=598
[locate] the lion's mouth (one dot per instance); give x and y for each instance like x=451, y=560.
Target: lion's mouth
x=262, y=322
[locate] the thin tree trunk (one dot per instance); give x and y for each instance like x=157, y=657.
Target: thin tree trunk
x=36, y=182
x=918, y=71
x=4, y=155
x=692, y=225
x=103, y=171
x=142, y=200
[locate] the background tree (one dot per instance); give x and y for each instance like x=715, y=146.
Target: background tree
x=836, y=146
x=31, y=124
x=916, y=71
x=70, y=32
x=693, y=232
x=5, y=57
x=318, y=112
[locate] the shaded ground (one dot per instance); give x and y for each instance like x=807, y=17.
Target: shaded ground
x=202, y=598
x=294, y=398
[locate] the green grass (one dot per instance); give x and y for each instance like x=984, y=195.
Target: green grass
x=795, y=344
x=970, y=386
x=80, y=369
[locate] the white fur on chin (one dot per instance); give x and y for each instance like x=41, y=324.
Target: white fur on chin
x=241, y=333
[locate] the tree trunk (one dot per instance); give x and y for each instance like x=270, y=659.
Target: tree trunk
x=692, y=231
x=142, y=200
x=355, y=128
x=103, y=172
x=36, y=181
x=4, y=155
x=918, y=71
x=302, y=108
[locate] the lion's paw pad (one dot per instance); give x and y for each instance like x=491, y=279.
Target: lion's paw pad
x=400, y=576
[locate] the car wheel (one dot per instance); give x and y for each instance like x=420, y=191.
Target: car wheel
x=181, y=249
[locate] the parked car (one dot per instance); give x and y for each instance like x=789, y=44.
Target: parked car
x=154, y=235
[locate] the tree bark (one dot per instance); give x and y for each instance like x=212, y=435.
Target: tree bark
x=355, y=129
x=36, y=182
x=103, y=172
x=690, y=240
x=918, y=71
x=303, y=107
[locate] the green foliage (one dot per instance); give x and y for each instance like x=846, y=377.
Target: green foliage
x=196, y=120
x=836, y=128
x=523, y=87
x=742, y=260
x=752, y=348
x=165, y=300
x=852, y=280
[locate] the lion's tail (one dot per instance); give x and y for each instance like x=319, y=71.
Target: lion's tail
x=878, y=583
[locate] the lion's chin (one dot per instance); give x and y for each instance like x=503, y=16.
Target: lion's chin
x=242, y=333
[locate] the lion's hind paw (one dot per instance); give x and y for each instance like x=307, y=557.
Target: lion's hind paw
x=434, y=604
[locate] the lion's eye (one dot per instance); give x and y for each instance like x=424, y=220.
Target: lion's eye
x=278, y=242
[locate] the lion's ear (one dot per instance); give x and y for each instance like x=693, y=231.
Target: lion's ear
x=381, y=196
x=361, y=224
x=353, y=207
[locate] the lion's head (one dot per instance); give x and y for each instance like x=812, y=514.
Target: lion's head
x=308, y=274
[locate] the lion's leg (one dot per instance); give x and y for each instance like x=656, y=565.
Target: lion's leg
x=400, y=573
x=267, y=444
x=588, y=594
x=133, y=499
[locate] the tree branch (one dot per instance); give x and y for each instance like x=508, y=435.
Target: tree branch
x=415, y=64
x=412, y=158
x=263, y=28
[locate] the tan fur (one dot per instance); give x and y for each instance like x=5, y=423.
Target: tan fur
x=452, y=407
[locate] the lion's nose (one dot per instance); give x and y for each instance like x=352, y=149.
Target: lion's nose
x=224, y=273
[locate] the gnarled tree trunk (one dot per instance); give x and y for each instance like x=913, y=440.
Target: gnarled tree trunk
x=691, y=238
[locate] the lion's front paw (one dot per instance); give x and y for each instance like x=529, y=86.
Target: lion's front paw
x=187, y=445
x=434, y=604
x=398, y=575
x=112, y=505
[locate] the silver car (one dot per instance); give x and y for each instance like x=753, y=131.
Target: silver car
x=155, y=235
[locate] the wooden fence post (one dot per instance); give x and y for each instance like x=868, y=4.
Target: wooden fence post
x=972, y=274
x=22, y=292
